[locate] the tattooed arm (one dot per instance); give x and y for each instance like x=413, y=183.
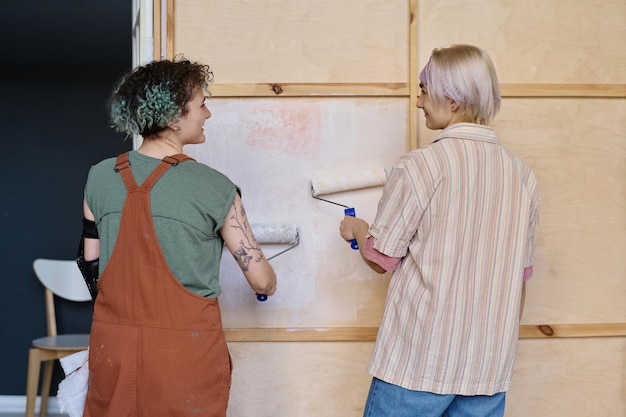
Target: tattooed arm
x=241, y=242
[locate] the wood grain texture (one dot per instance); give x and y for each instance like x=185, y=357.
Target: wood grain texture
x=556, y=377
x=158, y=34
x=407, y=90
x=368, y=334
x=577, y=149
x=577, y=41
x=299, y=379
x=309, y=89
x=276, y=41
x=568, y=377
x=563, y=90
x=414, y=89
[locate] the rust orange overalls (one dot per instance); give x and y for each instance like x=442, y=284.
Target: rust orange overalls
x=156, y=348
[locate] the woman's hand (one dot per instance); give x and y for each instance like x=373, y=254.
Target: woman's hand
x=353, y=228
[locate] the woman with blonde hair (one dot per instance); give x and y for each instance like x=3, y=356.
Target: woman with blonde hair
x=457, y=225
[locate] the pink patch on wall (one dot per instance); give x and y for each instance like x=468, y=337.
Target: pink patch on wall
x=290, y=126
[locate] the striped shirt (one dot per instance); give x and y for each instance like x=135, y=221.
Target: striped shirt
x=463, y=214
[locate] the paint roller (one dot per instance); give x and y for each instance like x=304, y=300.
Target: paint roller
x=277, y=234
x=353, y=180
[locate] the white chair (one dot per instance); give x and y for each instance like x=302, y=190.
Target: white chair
x=63, y=279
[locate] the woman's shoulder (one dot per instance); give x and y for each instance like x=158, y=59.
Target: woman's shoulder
x=200, y=175
x=105, y=165
x=202, y=169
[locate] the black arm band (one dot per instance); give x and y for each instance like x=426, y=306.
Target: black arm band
x=89, y=269
x=90, y=230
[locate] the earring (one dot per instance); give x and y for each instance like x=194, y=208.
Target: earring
x=176, y=129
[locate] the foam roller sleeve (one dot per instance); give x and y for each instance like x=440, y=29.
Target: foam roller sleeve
x=276, y=233
x=353, y=180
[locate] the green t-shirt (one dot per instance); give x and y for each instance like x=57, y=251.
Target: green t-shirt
x=189, y=204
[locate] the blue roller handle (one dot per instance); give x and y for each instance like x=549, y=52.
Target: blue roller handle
x=351, y=212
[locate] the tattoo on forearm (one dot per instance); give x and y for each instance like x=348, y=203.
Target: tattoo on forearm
x=242, y=258
x=249, y=249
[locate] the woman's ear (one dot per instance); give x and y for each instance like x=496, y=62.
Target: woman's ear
x=453, y=105
x=174, y=125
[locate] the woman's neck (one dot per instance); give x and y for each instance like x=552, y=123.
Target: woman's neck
x=159, y=147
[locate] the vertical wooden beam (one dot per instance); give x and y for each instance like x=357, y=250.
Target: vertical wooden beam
x=156, y=30
x=169, y=31
x=413, y=84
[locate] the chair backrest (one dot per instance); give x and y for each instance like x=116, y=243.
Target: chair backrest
x=63, y=279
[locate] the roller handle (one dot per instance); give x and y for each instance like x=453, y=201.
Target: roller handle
x=351, y=212
x=261, y=297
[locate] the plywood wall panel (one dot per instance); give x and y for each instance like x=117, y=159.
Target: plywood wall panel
x=569, y=377
x=577, y=149
x=299, y=379
x=574, y=41
x=296, y=41
x=329, y=379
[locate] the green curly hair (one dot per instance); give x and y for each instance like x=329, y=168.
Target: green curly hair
x=150, y=97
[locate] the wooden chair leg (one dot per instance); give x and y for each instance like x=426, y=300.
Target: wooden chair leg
x=45, y=387
x=34, y=364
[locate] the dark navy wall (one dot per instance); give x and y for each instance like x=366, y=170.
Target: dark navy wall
x=59, y=59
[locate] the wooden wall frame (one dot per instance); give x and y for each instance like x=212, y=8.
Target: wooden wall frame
x=409, y=90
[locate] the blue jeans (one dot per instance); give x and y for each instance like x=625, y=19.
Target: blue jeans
x=388, y=400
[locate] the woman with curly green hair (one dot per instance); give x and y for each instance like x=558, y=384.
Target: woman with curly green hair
x=155, y=222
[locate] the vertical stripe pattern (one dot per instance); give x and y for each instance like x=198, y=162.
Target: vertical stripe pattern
x=463, y=214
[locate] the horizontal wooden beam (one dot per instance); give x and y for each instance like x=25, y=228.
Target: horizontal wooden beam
x=368, y=334
x=310, y=90
x=403, y=90
x=313, y=334
x=572, y=330
x=563, y=90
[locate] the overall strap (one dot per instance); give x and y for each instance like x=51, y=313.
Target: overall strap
x=166, y=163
x=122, y=166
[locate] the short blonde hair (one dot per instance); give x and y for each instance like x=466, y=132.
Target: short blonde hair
x=465, y=74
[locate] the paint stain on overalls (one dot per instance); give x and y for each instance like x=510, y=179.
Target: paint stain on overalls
x=156, y=348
